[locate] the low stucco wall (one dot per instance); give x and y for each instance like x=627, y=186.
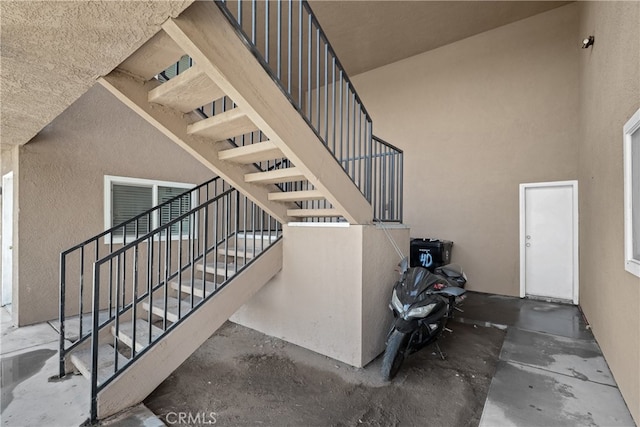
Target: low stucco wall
x=61, y=186
x=333, y=291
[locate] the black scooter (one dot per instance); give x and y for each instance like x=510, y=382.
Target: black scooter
x=422, y=303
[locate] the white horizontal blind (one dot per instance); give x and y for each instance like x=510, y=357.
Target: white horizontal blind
x=128, y=201
x=175, y=209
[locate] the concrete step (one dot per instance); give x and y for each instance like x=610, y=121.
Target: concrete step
x=187, y=91
x=275, y=176
x=81, y=359
x=172, y=307
x=253, y=153
x=310, y=213
x=198, y=288
x=241, y=252
x=296, y=196
x=221, y=270
x=223, y=126
x=125, y=333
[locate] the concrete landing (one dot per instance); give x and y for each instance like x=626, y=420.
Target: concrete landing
x=551, y=370
x=30, y=394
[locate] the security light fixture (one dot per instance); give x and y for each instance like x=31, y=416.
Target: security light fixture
x=588, y=42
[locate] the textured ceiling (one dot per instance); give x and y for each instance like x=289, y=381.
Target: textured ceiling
x=369, y=34
x=52, y=52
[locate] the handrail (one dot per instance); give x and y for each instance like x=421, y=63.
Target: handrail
x=387, y=144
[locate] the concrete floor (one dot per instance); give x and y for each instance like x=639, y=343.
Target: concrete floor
x=551, y=370
x=30, y=393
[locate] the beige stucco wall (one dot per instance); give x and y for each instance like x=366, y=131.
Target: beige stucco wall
x=332, y=293
x=475, y=119
x=610, y=94
x=61, y=176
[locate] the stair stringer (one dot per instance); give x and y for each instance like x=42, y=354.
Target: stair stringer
x=206, y=35
x=157, y=363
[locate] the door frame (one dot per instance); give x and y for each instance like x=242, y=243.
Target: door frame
x=576, y=255
x=7, y=213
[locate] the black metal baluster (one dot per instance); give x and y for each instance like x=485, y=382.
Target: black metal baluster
x=309, y=76
x=116, y=336
x=253, y=21
x=333, y=84
x=339, y=157
x=61, y=313
x=326, y=93
x=236, y=225
x=266, y=31
x=289, y=46
x=300, y=59
x=81, y=290
x=348, y=128
x=317, y=77
x=150, y=281
x=279, y=40
x=134, y=299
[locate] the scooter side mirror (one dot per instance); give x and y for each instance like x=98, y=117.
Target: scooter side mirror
x=403, y=266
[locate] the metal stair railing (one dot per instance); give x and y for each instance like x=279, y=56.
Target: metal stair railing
x=76, y=262
x=223, y=234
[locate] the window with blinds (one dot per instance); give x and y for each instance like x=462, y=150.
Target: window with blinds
x=125, y=198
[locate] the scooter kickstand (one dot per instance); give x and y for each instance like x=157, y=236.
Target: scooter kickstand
x=442, y=355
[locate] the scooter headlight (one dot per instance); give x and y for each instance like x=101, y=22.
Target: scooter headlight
x=422, y=311
x=395, y=302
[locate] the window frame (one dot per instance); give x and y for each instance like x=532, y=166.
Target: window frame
x=631, y=264
x=109, y=180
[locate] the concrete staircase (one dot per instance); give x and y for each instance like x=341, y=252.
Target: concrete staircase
x=162, y=345
x=302, y=181
x=223, y=66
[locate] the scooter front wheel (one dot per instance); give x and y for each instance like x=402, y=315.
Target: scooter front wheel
x=394, y=354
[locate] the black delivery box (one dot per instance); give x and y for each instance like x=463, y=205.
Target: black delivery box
x=430, y=253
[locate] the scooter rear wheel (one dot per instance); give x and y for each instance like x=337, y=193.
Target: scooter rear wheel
x=394, y=354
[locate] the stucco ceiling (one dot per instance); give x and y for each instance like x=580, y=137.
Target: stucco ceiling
x=52, y=52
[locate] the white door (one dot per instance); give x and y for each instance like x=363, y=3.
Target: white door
x=549, y=240
x=7, y=238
